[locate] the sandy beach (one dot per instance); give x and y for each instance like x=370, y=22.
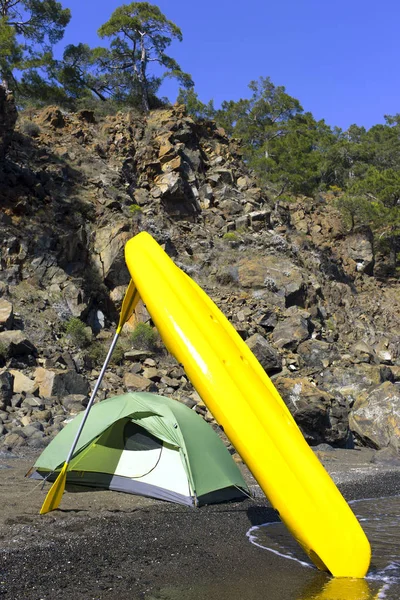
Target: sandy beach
x=106, y=545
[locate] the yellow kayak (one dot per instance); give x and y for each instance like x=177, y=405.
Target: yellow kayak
x=243, y=400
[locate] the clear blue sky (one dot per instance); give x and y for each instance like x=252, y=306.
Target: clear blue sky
x=340, y=59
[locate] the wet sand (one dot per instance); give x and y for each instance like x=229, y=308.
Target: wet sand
x=106, y=545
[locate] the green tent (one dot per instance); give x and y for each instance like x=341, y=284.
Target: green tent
x=149, y=445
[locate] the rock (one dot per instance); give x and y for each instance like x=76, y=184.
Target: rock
x=6, y=389
x=32, y=428
x=75, y=299
x=362, y=352
x=275, y=273
x=359, y=247
x=44, y=416
x=320, y=416
x=14, y=439
x=135, y=355
x=152, y=373
x=75, y=403
x=316, y=354
x=22, y=383
x=6, y=314
x=354, y=381
x=267, y=356
x=293, y=330
x=133, y=382
x=60, y=383
x=86, y=115
x=32, y=402
x=38, y=440
x=170, y=382
x=53, y=116
x=16, y=343
x=109, y=243
x=375, y=420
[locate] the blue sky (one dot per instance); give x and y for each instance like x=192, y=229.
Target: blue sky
x=339, y=59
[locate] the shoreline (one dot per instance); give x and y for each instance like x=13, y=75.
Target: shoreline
x=105, y=545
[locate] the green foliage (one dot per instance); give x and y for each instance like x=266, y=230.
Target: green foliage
x=280, y=141
x=28, y=30
x=144, y=337
x=194, y=106
x=77, y=332
x=139, y=34
x=357, y=210
x=117, y=356
x=135, y=209
x=80, y=73
x=97, y=353
x=230, y=236
x=376, y=197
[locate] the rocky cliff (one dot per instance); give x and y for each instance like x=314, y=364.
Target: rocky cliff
x=297, y=286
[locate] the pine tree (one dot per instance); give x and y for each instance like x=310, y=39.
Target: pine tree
x=140, y=34
x=28, y=30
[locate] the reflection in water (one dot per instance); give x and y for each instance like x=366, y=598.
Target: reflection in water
x=341, y=589
x=380, y=519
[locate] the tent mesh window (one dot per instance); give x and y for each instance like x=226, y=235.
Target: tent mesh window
x=138, y=439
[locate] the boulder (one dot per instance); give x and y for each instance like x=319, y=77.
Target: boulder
x=14, y=439
x=321, y=416
x=52, y=116
x=293, y=330
x=353, y=381
x=316, y=354
x=275, y=273
x=22, y=383
x=16, y=343
x=75, y=299
x=267, y=356
x=108, y=253
x=60, y=383
x=359, y=247
x=75, y=403
x=135, y=383
x=375, y=420
x=6, y=314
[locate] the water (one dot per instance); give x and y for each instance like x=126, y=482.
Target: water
x=380, y=519
x=284, y=572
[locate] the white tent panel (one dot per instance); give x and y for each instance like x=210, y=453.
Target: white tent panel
x=161, y=467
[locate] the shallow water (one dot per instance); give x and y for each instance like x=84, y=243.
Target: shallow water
x=380, y=519
x=287, y=574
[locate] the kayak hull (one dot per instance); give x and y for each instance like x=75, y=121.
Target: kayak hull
x=245, y=403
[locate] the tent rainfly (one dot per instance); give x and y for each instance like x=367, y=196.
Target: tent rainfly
x=149, y=445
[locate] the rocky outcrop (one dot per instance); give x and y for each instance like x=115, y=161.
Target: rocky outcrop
x=321, y=416
x=298, y=287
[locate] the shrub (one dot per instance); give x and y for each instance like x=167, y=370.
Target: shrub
x=227, y=275
x=30, y=128
x=144, y=337
x=117, y=356
x=135, y=209
x=77, y=331
x=97, y=353
x=230, y=236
